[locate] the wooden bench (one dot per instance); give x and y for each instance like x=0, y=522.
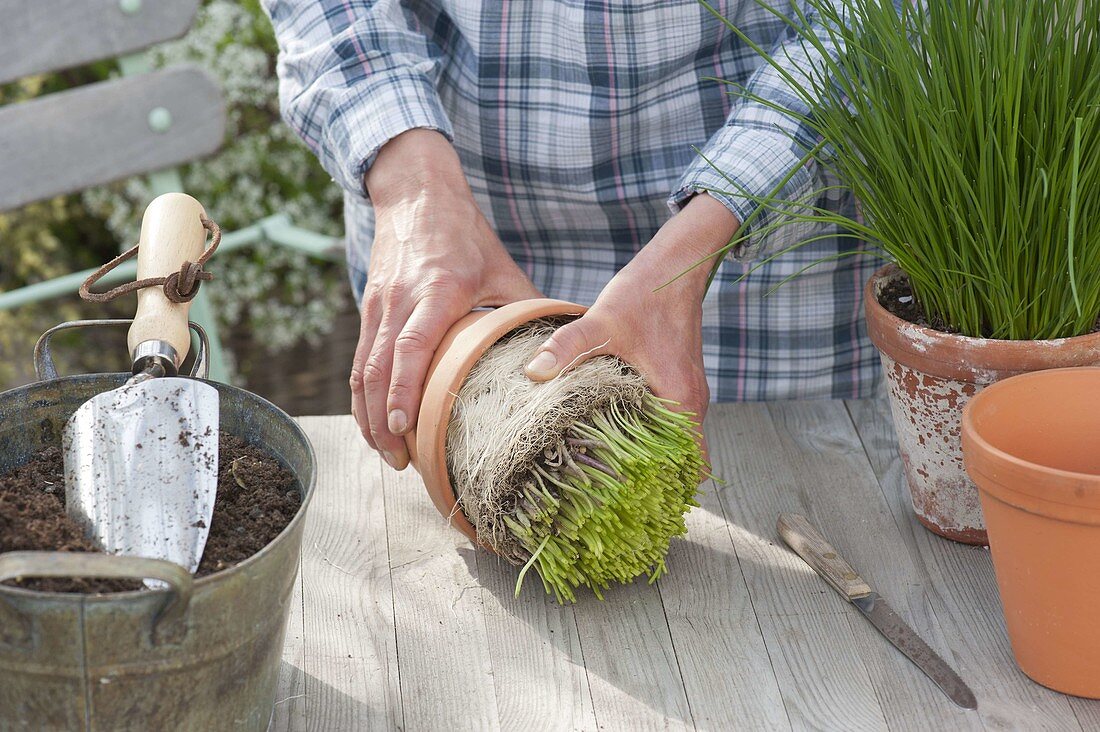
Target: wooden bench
x=143, y=122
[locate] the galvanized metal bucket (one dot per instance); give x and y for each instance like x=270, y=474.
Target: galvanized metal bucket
x=203, y=654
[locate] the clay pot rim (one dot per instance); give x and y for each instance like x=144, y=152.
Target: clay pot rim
x=446, y=374
x=980, y=454
x=896, y=336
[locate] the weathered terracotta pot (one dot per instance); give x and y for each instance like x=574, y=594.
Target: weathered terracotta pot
x=460, y=349
x=1030, y=443
x=930, y=377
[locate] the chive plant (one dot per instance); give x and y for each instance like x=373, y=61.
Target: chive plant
x=585, y=478
x=970, y=133
x=604, y=505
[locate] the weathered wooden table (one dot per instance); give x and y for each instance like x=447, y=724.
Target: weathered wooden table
x=400, y=624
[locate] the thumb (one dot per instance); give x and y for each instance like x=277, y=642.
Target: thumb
x=571, y=344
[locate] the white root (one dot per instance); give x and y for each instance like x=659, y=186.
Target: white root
x=503, y=422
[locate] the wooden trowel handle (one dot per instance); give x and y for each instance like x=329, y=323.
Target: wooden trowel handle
x=171, y=233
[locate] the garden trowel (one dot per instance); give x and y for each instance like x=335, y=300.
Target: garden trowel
x=141, y=461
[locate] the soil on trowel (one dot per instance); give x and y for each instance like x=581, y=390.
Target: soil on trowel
x=257, y=498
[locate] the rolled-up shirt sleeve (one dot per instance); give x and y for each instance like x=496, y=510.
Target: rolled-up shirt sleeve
x=354, y=74
x=761, y=150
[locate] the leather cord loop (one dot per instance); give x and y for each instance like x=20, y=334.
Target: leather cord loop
x=178, y=287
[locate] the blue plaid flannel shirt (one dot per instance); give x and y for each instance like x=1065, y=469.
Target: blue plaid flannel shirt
x=576, y=124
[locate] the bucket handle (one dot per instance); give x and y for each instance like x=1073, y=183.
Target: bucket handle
x=14, y=565
x=43, y=358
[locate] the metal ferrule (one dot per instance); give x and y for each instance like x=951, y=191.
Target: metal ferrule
x=149, y=354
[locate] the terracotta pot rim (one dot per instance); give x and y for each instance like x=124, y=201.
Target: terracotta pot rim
x=930, y=350
x=1027, y=503
x=981, y=455
x=452, y=362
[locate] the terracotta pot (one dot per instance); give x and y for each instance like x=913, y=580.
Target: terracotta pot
x=930, y=377
x=463, y=345
x=1030, y=444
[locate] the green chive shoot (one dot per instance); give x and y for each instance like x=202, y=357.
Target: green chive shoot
x=970, y=134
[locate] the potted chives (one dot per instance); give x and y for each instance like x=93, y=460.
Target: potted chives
x=970, y=134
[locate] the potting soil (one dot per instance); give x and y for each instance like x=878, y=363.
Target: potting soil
x=897, y=297
x=257, y=497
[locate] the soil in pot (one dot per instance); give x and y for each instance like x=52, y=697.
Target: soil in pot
x=898, y=298
x=586, y=478
x=257, y=498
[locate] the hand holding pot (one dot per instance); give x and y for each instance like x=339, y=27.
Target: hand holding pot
x=656, y=329
x=434, y=259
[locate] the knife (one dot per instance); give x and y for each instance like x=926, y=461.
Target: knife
x=824, y=559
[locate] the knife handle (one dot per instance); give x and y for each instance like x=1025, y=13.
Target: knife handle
x=799, y=535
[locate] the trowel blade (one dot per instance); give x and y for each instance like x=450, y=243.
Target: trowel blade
x=141, y=468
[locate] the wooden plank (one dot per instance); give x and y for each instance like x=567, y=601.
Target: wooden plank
x=820, y=444
x=833, y=667
x=595, y=664
x=100, y=133
x=46, y=35
x=622, y=670
x=442, y=639
x=632, y=666
x=289, y=711
x=538, y=665
x=1087, y=712
x=964, y=598
x=726, y=668
x=823, y=680
x=350, y=662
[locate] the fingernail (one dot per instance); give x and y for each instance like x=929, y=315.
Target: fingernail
x=542, y=364
x=397, y=422
x=390, y=459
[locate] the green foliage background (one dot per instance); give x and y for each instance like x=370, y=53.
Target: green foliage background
x=261, y=169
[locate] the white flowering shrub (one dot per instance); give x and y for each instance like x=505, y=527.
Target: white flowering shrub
x=261, y=170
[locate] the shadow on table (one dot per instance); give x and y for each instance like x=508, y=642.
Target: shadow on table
x=605, y=638
x=303, y=697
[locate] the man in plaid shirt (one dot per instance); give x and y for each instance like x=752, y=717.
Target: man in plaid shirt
x=494, y=151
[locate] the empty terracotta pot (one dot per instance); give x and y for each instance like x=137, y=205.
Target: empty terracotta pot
x=463, y=345
x=1032, y=445
x=930, y=376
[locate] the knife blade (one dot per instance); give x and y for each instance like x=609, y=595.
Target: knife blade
x=809, y=544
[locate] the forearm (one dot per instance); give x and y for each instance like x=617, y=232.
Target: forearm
x=685, y=248
x=415, y=161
